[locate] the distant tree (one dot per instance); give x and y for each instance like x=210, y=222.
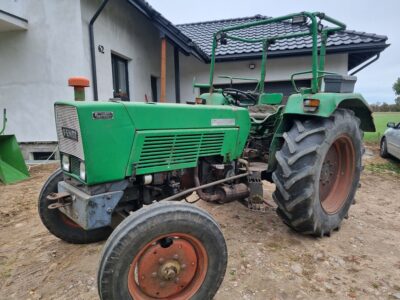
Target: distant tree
x=396, y=87
x=397, y=101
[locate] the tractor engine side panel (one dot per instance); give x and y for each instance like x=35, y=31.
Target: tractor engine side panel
x=174, y=136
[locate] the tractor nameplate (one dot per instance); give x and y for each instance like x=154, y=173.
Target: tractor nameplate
x=222, y=122
x=103, y=115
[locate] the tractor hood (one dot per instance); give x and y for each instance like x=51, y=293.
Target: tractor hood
x=109, y=137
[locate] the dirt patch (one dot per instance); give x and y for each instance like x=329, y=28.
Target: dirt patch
x=266, y=259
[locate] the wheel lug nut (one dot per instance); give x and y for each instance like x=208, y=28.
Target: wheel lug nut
x=183, y=266
x=162, y=284
x=176, y=256
x=154, y=274
x=177, y=279
x=161, y=260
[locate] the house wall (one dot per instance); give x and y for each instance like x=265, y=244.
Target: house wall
x=35, y=64
x=123, y=30
x=278, y=69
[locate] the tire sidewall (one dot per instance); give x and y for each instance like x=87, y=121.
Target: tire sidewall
x=138, y=234
x=351, y=130
x=383, y=151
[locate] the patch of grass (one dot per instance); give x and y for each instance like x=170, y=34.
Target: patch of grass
x=381, y=119
x=386, y=167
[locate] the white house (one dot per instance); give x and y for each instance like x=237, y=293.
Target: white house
x=124, y=47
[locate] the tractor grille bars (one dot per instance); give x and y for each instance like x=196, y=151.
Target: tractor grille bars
x=170, y=150
x=69, y=131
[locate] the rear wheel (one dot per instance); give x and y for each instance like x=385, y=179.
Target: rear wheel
x=59, y=224
x=318, y=172
x=164, y=251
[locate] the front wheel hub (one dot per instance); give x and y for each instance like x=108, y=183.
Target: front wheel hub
x=163, y=270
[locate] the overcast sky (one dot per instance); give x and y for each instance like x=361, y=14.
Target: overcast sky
x=373, y=16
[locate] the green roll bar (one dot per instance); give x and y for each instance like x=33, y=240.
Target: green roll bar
x=315, y=28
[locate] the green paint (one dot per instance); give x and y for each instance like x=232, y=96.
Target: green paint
x=113, y=147
x=12, y=164
x=329, y=102
x=145, y=138
x=317, y=67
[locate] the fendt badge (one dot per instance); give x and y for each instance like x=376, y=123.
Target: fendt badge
x=70, y=134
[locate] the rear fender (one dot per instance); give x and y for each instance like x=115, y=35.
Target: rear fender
x=329, y=102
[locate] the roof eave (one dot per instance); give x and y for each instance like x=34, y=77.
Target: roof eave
x=172, y=33
x=370, y=47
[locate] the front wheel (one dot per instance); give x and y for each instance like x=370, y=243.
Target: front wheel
x=59, y=224
x=164, y=251
x=318, y=172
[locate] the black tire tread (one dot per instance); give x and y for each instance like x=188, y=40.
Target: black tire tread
x=297, y=168
x=146, y=220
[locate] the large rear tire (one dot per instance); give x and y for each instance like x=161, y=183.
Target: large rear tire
x=60, y=225
x=318, y=172
x=164, y=251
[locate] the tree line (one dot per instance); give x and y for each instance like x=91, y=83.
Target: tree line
x=385, y=107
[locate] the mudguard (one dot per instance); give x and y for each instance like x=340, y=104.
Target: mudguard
x=329, y=102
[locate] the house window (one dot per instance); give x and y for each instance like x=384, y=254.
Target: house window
x=154, y=89
x=120, y=77
x=43, y=155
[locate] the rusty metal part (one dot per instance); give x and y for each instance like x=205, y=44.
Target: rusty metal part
x=59, y=205
x=68, y=221
x=219, y=196
x=203, y=195
x=232, y=192
x=63, y=199
x=204, y=186
x=175, y=270
x=187, y=179
x=336, y=175
x=57, y=196
x=170, y=270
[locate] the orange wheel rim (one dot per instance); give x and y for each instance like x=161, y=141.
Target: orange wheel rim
x=68, y=221
x=337, y=174
x=171, y=266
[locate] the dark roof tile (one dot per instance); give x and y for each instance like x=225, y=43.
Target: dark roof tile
x=201, y=34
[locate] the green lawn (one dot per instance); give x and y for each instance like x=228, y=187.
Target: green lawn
x=381, y=119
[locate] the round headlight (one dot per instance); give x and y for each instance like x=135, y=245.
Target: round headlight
x=65, y=163
x=82, y=170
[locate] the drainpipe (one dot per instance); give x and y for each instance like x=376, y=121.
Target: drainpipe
x=92, y=49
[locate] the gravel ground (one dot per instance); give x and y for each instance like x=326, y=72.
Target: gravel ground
x=266, y=259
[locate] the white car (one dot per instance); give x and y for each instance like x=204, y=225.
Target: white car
x=390, y=142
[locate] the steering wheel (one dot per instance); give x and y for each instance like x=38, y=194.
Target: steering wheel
x=239, y=97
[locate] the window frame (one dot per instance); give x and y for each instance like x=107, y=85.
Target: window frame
x=115, y=59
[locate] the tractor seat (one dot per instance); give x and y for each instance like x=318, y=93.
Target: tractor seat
x=261, y=112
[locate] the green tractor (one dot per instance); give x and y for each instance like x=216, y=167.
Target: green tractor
x=119, y=160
